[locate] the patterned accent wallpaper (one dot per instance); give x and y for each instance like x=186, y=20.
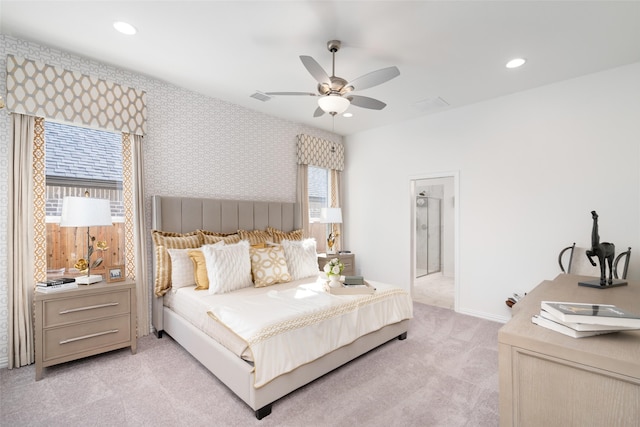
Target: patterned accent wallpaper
x=195, y=146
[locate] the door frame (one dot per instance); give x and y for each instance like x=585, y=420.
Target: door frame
x=456, y=227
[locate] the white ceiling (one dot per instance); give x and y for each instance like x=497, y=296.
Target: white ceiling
x=455, y=50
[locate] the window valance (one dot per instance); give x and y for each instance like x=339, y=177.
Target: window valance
x=320, y=152
x=38, y=89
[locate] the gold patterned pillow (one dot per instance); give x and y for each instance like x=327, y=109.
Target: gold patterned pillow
x=164, y=240
x=211, y=237
x=200, y=269
x=279, y=235
x=255, y=236
x=269, y=266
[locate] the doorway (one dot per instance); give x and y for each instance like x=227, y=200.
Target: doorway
x=434, y=234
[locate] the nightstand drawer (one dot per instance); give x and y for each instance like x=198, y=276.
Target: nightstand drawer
x=88, y=307
x=86, y=337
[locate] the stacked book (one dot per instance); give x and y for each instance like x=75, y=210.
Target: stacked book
x=579, y=320
x=56, y=285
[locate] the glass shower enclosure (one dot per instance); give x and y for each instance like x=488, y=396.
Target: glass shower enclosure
x=428, y=235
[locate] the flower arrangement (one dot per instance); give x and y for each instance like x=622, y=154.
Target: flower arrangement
x=83, y=264
x=333, y=267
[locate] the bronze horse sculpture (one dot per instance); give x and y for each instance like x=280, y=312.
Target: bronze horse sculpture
x=604, y=251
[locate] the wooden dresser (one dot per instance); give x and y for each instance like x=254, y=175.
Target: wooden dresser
x=81, y=322
x=549, y=379
x=349, y=261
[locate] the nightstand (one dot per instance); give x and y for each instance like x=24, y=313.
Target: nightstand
x=89, y=320
x=349, y=261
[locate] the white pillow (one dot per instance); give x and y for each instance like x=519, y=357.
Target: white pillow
x=302, y=258
x=182, y=272
x=228, y=267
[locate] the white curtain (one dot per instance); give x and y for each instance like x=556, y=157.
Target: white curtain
x=20, y=236
x=335, y=179
x=135, y=228
x=303, y=197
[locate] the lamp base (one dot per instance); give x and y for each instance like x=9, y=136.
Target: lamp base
x=88, y=280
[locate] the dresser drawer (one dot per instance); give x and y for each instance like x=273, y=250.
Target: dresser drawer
x=86, y=337
x=78, y=309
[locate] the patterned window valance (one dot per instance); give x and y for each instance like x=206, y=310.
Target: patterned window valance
x=43, y=90
x=320, y=152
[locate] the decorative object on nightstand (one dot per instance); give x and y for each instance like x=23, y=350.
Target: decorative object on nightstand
x=331, y=216
x=115, y=273
x=87, y=212
x=348, y=260
x=334, y=269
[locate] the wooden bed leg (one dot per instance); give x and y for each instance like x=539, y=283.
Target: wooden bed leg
x=263, y=412
x=402, y=336
x=158, y=333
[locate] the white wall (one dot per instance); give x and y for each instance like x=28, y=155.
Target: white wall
x=532, y=167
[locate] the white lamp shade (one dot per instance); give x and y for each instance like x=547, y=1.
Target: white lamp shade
x=331, y=216
x=333, y=104
x=85, y=212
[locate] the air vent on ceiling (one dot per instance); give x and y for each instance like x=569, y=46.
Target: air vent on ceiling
x=261, y=96
x=431, y=104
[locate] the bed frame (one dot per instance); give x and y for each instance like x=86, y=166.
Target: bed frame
x=181, y=214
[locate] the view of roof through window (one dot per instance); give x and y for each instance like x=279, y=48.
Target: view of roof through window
x=80, y=159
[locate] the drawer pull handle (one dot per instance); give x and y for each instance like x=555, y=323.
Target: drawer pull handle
x=84, y=337
x=91, y=307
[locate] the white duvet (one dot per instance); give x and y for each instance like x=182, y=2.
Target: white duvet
x=286, y=328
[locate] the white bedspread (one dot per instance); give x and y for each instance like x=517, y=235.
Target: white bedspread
x=287, y=328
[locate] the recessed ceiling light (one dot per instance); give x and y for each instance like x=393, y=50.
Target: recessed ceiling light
x=125, y=28
x=347, y=115
x=516, y=62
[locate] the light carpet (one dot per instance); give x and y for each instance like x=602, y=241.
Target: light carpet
x=444, y=374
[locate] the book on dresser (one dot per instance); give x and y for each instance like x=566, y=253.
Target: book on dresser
x=566, y=330
x=57, y=288
x=53, y=282
x=585, y=327
x=592, y=314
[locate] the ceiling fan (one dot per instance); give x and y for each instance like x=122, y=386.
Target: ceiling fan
x=335, y=93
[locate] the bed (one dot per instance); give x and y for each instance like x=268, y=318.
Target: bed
x=241, y=368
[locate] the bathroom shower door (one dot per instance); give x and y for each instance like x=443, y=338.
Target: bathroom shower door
x=428, y=235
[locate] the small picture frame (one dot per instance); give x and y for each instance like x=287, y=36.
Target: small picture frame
x=115, y=273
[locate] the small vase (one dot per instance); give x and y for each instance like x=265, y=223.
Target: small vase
x=334, y=281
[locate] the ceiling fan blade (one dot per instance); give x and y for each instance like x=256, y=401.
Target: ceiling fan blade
x=373, y=78
x=366, y=102
x=292, y=93
x=315, y=69
x=319, y=112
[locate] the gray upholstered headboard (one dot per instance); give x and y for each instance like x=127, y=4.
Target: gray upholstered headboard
x=185, y=214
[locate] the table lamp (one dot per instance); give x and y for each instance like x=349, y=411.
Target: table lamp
x=331, y=216
x=86, y=212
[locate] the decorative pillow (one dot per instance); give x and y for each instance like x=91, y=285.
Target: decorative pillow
x=278, y=236
x=199, y=269
x=255, y=237
x=182, y=273
x=228, y=267
x=211, y=237
x=164, y=240
x=269, y=266
x=302, y=259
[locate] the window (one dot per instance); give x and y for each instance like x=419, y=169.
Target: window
x=78, y=160
x=318, y=182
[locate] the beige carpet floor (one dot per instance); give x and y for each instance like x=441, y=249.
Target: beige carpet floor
x=444, y=374
x=434, y=289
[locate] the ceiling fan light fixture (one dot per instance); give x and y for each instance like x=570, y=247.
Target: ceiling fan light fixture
x=333, y=104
